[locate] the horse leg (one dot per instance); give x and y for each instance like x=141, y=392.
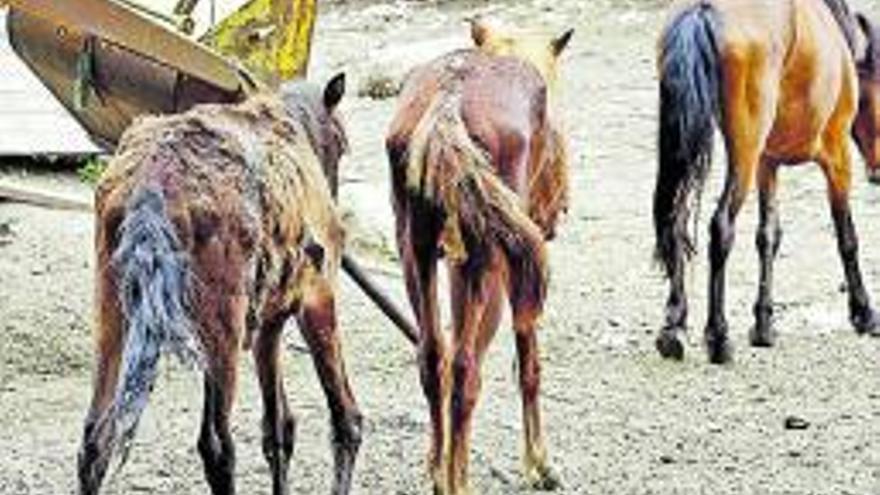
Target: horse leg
x=668, y=342
x=317, y=323
x=215, y=441
x=95, y=451
x=750, y=96
x=279, y=425
x=767, y=242
x=536, y=466
x=419, y=257
x=469, y=298
x=836, y=165
x=722, y=233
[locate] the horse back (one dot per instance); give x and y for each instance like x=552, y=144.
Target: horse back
x=245, y=193
x=503, y=104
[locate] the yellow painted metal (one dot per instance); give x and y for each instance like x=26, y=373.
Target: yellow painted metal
x=272, y=38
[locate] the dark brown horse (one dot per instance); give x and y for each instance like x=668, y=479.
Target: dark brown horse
x=213, y=228
x=786, y=82
x=479, y=176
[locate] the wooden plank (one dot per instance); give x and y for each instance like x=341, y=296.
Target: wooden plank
x=19, y=193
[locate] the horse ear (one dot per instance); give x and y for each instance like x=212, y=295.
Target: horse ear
x=334, y=91
x=866, y=60
x=559, y=44
x=479, y=31
x=865, y=24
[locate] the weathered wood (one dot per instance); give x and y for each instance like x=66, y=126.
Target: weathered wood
x=10, y=191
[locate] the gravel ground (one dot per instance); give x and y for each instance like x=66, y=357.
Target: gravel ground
x=618, y=418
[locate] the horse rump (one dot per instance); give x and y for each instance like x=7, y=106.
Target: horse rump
x=448, y=173
x=154, y=286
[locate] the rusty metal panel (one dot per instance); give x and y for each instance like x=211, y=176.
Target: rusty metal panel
x=32, y=121
x=119, y=24
x=120, y=83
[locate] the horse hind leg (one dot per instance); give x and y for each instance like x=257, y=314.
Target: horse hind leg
x=668, y=342
x=723, y=233
x=215, y=443
x=536, y=465
x=317, y=322
x=279, y=425
x=746, y=129
x=419, y=255
x=767, y=241
x=469, y=299
x=95, y=452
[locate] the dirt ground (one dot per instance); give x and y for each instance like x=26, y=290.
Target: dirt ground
x=618, y=418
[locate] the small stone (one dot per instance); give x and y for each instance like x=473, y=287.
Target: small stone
x=796, y=423
x=667, y=459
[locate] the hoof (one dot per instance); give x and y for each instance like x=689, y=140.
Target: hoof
x=544, y=479
x=874, y=175
x=669, y=344
x=867, y=323
x=762, y=336
x=720, y=350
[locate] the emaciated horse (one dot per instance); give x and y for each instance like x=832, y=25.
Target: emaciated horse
x=213, y=228
x=785, y=81
x=479, y=176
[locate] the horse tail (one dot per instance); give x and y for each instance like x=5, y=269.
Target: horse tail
x=449, y=172
x=154, y=284
x=690, y=101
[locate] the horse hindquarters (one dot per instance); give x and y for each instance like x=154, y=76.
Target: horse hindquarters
x=144, y=286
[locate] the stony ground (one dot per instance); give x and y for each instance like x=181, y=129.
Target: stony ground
x=619, y=419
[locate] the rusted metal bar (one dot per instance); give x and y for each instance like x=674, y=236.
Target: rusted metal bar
x=391, y=310
x=143, y=9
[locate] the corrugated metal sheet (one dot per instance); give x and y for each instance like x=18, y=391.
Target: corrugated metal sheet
x=31, y=119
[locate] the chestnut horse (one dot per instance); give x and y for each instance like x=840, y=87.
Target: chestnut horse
x=479, y=175
x=213, y=228
x=786, y=81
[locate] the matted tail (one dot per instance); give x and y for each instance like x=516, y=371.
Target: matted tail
x=449, y=171
x=690, y=92
x=154, y=287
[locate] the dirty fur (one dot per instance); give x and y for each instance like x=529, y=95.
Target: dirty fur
x=214, y=227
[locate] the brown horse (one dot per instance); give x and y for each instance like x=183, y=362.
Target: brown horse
x=213, y=228
x=479, y=175
x=785, y=81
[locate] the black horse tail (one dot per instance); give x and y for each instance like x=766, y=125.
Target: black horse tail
x=690, y=93
x=154, y=284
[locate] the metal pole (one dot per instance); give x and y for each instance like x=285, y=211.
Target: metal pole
x=377, y=296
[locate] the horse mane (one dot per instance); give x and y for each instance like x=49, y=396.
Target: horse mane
x=844, y=16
